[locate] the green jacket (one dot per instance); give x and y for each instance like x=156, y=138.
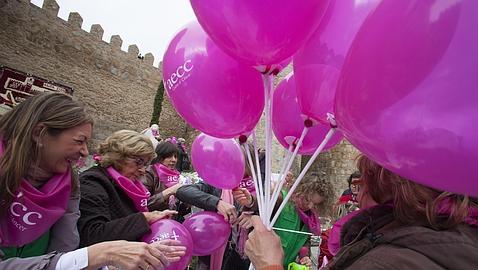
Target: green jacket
x=291, y=242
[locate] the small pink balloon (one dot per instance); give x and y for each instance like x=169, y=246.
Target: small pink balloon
x=219, y=162
x=288, y=124
x=208, y=230
x=407, y=96
x=317, y=65
x=212, y=91
x=262, y=32
x=165, y=229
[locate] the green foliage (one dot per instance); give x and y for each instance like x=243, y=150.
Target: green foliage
x=158, y=104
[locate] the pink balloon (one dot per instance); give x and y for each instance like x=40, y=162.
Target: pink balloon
x=165, y=229
x=219, y=162
x=407, y=96
x=210, y=90
x=288, y=124
x=259, y=32
x=317, y=65
x=208, y=230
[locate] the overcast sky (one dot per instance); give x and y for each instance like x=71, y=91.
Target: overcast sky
x=150, y=24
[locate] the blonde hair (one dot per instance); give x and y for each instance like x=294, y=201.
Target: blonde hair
x=313, y=184
x=414, y=203
x=123, y=144
x=57, y=112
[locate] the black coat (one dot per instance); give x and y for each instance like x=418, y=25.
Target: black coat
x=107, y=213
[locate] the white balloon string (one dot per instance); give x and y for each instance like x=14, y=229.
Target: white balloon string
x=260, y=192
x=302, y=174
x=267, y=79
x=254, y=176
x=278, y=189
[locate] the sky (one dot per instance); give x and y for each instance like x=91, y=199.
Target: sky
x=150, y=24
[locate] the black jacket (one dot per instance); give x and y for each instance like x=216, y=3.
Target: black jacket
x=107, y=213
x=200, y=195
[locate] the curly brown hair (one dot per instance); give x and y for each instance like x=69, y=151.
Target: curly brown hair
x=314, y=184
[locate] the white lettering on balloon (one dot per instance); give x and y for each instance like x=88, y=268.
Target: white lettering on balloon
x=180, y=75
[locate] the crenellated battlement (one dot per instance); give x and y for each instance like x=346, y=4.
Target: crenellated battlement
x=49, y=11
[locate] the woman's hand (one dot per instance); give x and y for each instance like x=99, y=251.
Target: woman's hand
x=263, y=246
x=171, y=190
x=154, y=216
x=244, y=221
x=227, y=210
x=306, y=261
x=134, y=255
x=243, y=197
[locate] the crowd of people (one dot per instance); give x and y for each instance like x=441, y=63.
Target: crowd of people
x=52, y=218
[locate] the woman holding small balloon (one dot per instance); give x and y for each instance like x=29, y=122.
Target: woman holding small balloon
x=114, y=202
x=39, y=141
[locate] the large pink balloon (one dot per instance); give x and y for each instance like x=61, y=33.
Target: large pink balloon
x=260, y=32
x=208, y=230
x=165, y=229
x=210, y=90
x=219, y=162
x=317, y=65
x=288, y=124
x=408, y=92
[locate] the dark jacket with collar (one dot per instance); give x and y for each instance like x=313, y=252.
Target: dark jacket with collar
x=381, y=243
x=107, y=213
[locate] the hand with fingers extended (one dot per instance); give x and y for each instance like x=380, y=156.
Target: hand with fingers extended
x=243, y=197
x=244, y=220
x=227, y=210
x=263, y=246
x=306, y=261
x=154, y=216
x=134, y=255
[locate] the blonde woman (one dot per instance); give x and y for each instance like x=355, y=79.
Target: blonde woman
x=39, y=140
x=114, y=201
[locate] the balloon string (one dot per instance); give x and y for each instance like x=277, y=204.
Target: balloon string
x=275, y=196
x=267, y=79
x=260, y=192
x=254, y=176
x=302, y=174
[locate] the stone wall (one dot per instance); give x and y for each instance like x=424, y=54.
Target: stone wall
x=117, y=87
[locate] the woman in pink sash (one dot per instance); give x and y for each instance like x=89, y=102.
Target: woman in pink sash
x=39, y=141
x=162, y=179
x=114, y=201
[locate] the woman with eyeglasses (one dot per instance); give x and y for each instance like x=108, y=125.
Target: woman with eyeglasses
x=40, y=139
x=114, y=201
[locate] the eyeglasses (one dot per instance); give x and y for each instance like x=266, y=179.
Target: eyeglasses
x=140, y=163
x=355, y=187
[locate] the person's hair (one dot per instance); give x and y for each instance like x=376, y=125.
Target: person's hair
x=354, y=175
x=165, y=150
x=314, y=184
x=123, y=144
x=414, y=203
x=56, y=112
x=247, y=169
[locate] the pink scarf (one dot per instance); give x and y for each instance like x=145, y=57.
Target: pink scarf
x=312, y=221
x=34, y=211
x=169, y=177
x=217, y=256
x=135, y=190
x=333, y=242
x=248, y=184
